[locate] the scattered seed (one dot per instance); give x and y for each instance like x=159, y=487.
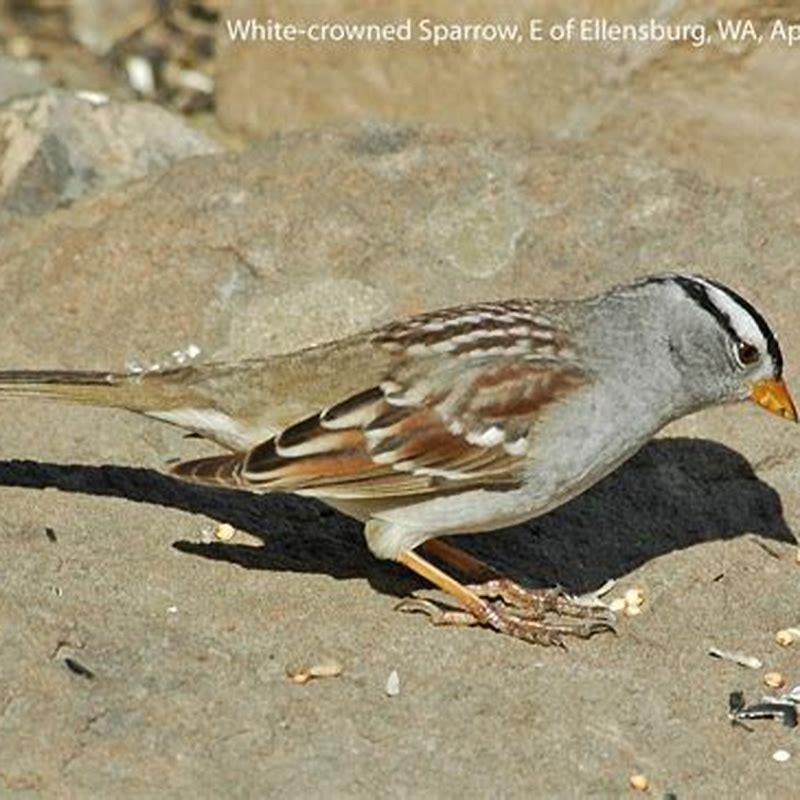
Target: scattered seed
x=781, y=755
x=50, y=534
x=324, y=669
x=224, y=532
x=742, y=659
x=639, y=782
x=774, y=680
x=78, y=668
x=634, y=597
x=633, y=611
x=784, y=638
x=617, y=604
x=393, y=684
x=797, y=555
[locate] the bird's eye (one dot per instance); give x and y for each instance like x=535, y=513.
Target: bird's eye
x=746, y=353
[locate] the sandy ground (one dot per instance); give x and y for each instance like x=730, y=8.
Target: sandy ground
x=188, y=641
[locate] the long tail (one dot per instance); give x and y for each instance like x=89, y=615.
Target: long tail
x=174, y=396
x=134, y=392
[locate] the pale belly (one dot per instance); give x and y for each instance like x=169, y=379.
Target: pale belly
x=583, y=458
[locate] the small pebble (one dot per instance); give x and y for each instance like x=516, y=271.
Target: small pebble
x=617, y=604
x=781, y=755
x=797, y=555
x=140, y=75
x=393, y=684
x=224, y=532
x=774, y=680
x=93, y=98
x=639, y=782
x=784, y=638
x=634, y=597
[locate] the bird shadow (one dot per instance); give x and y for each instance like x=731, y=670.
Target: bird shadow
x=673, y=494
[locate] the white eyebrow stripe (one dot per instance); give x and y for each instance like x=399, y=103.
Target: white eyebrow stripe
x=740, y=318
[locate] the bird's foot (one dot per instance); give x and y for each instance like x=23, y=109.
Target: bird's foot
x=527, y=623
x=533, y=616
x=536, y=603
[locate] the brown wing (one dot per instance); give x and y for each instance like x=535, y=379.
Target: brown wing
x=446, y=421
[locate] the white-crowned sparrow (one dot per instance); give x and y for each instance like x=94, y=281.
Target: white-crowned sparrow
x=462, y=420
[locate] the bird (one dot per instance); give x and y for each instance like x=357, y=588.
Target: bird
x=460, y=420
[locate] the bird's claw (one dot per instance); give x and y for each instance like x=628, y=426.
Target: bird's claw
x=527, y=622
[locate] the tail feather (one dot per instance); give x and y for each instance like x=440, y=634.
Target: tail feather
x=76, y=386
x=169, y=395
x=134, y=392
x=224, y=470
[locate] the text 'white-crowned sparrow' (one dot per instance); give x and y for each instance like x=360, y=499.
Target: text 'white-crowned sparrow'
x=461, y=420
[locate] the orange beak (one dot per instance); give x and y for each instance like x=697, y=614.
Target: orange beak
x=774, y=396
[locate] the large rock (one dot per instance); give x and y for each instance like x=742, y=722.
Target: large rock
x=58, y=146
x=726, y=109
x=317, y=234
x=312, y=236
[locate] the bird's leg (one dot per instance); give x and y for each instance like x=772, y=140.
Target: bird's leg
x=477, y=610
x=486, y=582
x=468, y=565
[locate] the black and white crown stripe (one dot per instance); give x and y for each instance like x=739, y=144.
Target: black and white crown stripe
x=744, y=322
x=740, y=320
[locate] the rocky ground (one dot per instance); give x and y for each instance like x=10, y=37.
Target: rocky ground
x=141, y=655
